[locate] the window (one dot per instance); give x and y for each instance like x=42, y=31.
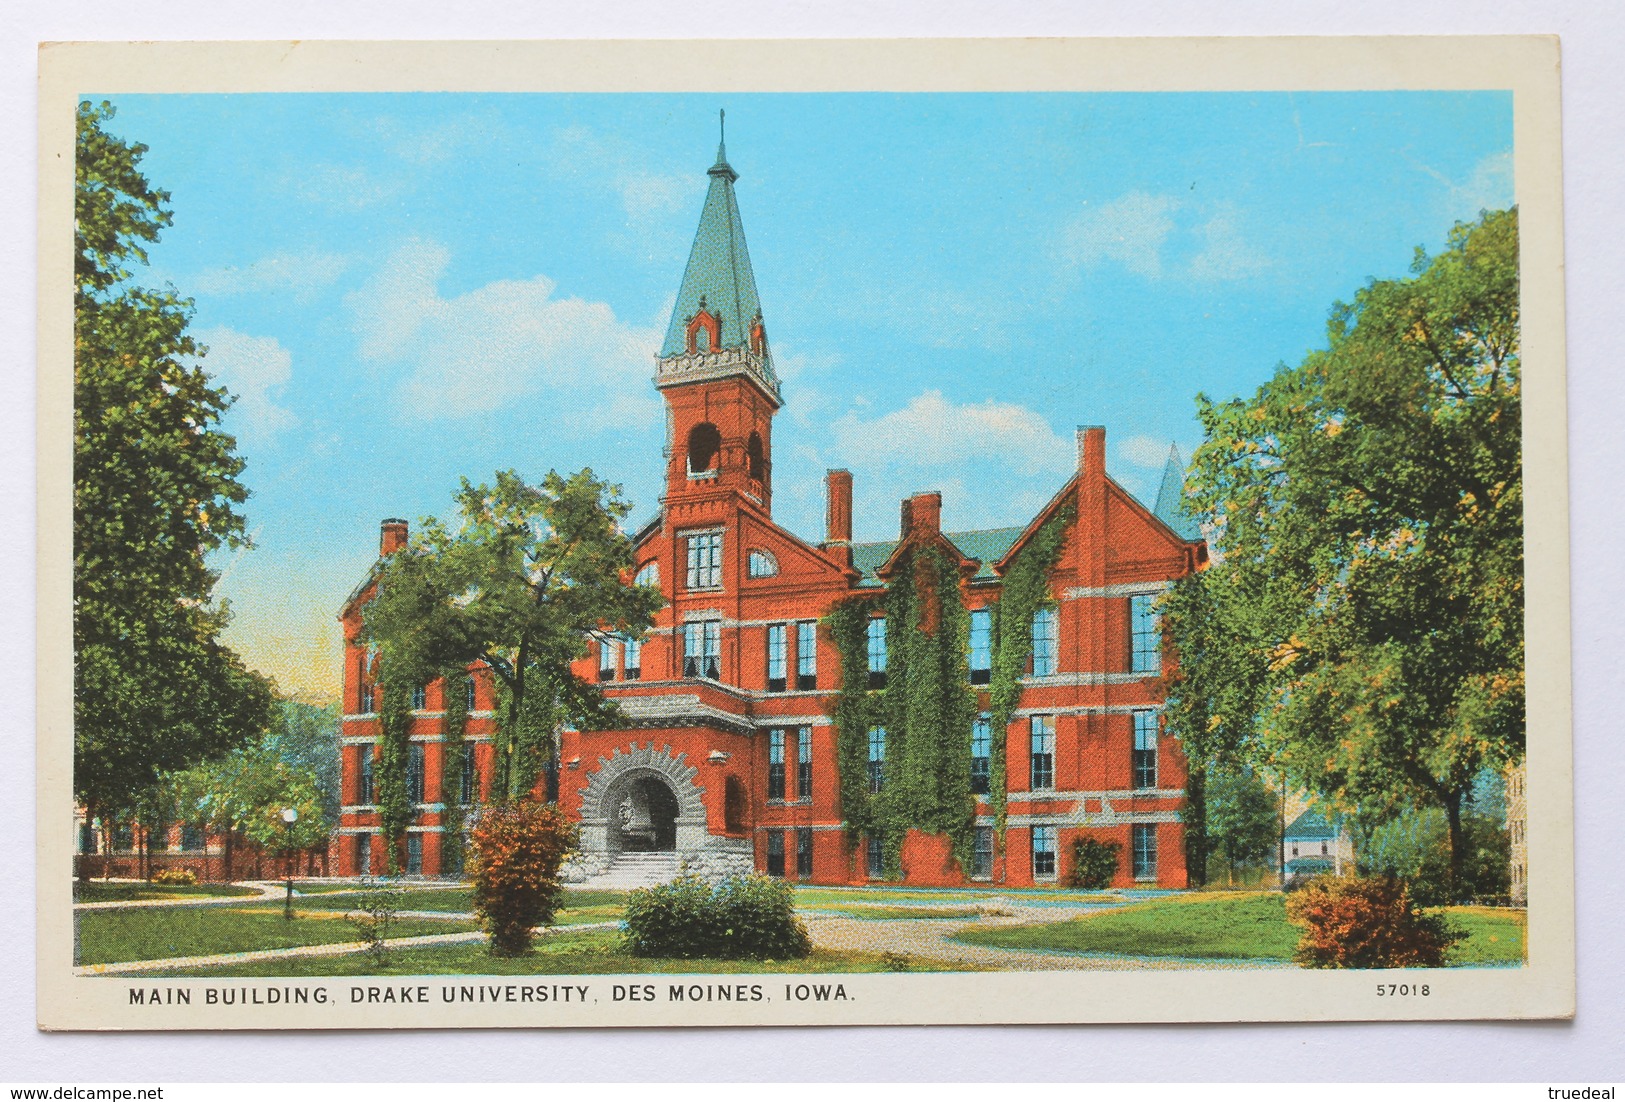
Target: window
x=735, y=805
x=756, y=458
x=466, y=776
x=981, y=755
x=1145, y=634
x=804, y=763
x=414, y=854
x=634, y=658
x=1043, y=752
x=702, y=649
x=877, y=652
x=1043, y=852
x=1044, y=642
x=1145, y=749
x=648, y=574
x=468, y=692
x=705, y=561
x=414, y=772
x=804, y=852
x=761, y=564
x=192, y=836
x=1145, y=851
x=981, y=867
x=704, y=442
x=363, y=854
x=606, y=660
x=123, y=837
x=875, y=853
x=420, y=698
x=777, y=658
x=775, y=853
x=363, y=788
x=981, y=646
x=807, y=654
x=877, y=758
x=775, y=764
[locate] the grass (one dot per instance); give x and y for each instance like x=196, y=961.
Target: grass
x=589, y=952
x=910, y=912
x=93, y=892
x=824, y=897
x=1229, y=926
x=155, y=933
x=410, y=899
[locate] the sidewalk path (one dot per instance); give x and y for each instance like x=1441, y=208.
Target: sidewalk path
x=266, y=891
x=124, y=967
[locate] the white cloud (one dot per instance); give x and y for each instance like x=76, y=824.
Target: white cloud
x=572, y=361
x=1130, y=230
x=1142, y=451
x=1490, y=187
x=303, y=274
x=254, y=370
x=1225, y=254
x=345, y=187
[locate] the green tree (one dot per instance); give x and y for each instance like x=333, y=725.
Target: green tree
x=521, y=583
x=306, y=738
x=242, y=795
x=156, y=489
x=1361, y=629
x=1243, y=817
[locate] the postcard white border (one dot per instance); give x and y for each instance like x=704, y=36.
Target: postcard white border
x=1527, y=66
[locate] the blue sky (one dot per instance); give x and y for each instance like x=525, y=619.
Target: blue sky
x=405, y=289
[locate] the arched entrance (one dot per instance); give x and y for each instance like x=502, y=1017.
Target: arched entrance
x=646, y=817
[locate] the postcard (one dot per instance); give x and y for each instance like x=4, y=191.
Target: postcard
x=802, y=533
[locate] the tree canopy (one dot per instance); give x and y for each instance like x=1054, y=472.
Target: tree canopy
x=522, y=581
x=1360, y=632
x=156, y=488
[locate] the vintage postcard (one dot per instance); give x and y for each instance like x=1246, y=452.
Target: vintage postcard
x=773, y=533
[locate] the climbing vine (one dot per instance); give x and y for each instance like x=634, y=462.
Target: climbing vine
x=454, y=727
x=927, y=709
x=390, y=794
x=525, y=740
x=1024, y=592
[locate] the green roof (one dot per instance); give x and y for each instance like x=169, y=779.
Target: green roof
x=1311, y=824
x=1171, y=507
x=719, y=272
x=987, y=546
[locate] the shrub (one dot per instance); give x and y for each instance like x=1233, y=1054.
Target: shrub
x=175, y=876
x=517, y=851
x=377, y=909
x=742, y=917
x=1366, y=922
x=1094, y=863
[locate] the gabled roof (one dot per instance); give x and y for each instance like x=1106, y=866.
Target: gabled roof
x=1171, y=507
x=719, y=271
x=986, y=546
x=1311, y=824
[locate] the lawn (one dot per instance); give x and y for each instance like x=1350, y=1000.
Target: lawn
x=102, y=892
x=1229, y=926
x=577, y=907
x=908, y=912
x=841, y=897
x=589, y=952
x=154, y=933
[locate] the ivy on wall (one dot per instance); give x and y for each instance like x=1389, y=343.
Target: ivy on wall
x=927, y=709
x=389, y=781
x=454, y=727
x=1024, y=592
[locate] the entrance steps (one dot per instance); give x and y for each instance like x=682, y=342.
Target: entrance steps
x=636, y=870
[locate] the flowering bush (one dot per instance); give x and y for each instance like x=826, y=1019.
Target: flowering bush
x=741, y=917
x=1355, y=922
x=175, y=876
x=517, y=851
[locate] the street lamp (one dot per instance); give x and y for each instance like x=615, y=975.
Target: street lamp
x=290, y=816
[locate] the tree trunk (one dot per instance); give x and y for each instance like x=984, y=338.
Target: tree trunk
x=1458, y=847
x=225, y=857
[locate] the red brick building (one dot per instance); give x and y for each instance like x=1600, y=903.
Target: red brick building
x=730, y=759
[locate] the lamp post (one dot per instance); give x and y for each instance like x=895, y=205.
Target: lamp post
x=290, y=816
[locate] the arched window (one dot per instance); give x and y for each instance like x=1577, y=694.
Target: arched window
x=648, y=574
x=704, y=330
x=735, y=806
x=762, y=564
x=704, y=446
x=756, y=458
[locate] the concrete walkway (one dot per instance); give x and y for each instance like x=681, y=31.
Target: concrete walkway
x=266, y=890
x=338, y=949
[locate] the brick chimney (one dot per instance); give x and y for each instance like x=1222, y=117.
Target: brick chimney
x=838, y=514
x=391, y=536
x=1092, y=451
x=925, y=512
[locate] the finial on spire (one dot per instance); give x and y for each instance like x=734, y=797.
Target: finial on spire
x=722, y=135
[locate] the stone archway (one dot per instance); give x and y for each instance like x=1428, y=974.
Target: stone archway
x=656, y=792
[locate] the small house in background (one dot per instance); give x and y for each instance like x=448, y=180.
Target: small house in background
x=1312, y=845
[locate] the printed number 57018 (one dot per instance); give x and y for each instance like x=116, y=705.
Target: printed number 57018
x=1385, y=989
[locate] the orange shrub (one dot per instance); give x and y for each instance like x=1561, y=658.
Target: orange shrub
x=1354, y=922
x=518, y=849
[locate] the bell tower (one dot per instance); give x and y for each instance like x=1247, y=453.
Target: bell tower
x=715, y=369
